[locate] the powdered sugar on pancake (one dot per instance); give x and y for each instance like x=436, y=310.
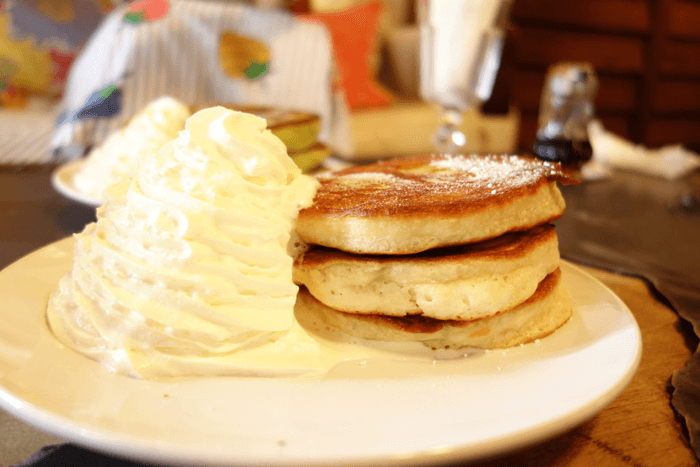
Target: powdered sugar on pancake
x=513, y=170
x=431, y=184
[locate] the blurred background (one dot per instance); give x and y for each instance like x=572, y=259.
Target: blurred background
x=645, y=52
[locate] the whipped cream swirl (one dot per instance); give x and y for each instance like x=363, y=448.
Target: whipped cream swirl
x=191, y=258
x=159, y=122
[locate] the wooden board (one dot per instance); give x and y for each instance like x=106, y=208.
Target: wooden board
x=684, y=20
x=680, y=58
x=677, y=96
x=674, y=131
x=639, y=428
x=544, y=47
x=615, y=93
x=606, y=15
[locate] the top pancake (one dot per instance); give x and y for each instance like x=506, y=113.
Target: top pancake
x=408, y=205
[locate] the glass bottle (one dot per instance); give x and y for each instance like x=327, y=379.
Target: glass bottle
x=566, y=108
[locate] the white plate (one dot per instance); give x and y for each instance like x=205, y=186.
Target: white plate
x=404, y=414
x=62, y=181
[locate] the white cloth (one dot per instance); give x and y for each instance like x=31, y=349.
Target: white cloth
x=178, y=56
x=612, y=151
x=25, y=134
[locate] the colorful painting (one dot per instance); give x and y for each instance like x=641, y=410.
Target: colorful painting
x=146, y=10
x=39, y=39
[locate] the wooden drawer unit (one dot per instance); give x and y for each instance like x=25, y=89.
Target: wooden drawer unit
x=646, y=54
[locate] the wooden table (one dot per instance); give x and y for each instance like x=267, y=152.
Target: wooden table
x=638, y=429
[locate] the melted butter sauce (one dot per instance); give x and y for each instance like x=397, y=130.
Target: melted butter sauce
x=309, y=351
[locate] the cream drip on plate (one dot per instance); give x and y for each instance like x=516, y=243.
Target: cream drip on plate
x=159, y=122
x=188, y=269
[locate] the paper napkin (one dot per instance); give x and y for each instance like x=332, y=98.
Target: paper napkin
x=612, y=151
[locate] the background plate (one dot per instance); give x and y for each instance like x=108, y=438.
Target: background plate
x=404, y=413
x=62, y=181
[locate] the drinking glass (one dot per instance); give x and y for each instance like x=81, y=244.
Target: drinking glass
x=461, y=42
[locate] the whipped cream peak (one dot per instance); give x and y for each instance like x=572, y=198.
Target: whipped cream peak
x=190, y=257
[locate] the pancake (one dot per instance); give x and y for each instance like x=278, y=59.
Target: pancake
x=466, y=282
x=409, y=205
x=540, y=315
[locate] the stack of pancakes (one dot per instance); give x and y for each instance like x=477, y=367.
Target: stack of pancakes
x=451, y=251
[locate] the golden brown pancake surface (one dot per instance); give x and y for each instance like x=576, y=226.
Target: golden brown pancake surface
x=449, y=185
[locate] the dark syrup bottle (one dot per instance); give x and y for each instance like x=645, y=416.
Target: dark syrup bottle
x=566, y=108
x=571, y=154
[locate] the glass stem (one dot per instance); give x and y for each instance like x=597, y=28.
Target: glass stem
x=449, y=138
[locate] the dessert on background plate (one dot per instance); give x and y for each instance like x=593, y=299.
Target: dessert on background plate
x=116, y=158
x=298, y=131
x=160, y=121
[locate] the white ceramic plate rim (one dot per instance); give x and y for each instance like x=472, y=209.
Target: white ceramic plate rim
x=418, y=421
x=62, y=181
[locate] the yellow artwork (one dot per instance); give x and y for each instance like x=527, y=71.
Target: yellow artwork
x=105, y=5
x=241, y=57
x=33, y=65
x=61, y=11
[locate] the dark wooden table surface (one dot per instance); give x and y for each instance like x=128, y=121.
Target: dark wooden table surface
x=32, y=213
x=639, y=428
